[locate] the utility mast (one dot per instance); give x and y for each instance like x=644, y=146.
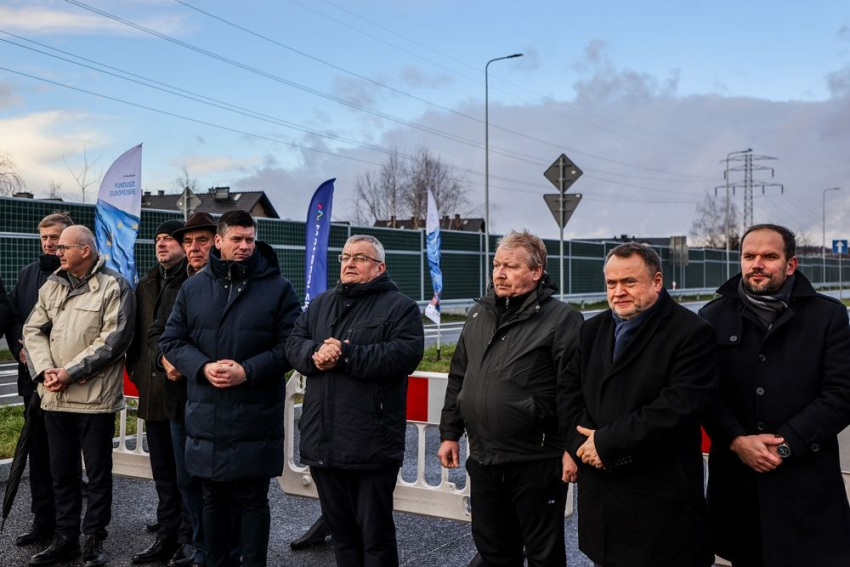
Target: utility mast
x=751, y=164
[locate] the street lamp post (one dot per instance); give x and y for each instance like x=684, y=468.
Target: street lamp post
x=729, y=207
x=823, y=249
x=487, y=165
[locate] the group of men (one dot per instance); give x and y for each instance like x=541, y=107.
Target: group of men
x=614, y=403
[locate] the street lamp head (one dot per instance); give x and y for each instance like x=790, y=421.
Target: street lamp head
x=514, y=55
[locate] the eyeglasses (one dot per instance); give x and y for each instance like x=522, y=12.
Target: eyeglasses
x=357, y=258
x=63, y=247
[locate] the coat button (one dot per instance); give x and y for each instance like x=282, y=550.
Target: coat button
x=760, y=426
x=153, y=374
x=762, y=358
x=733, y=338
x=760, y=391
x=815, y=447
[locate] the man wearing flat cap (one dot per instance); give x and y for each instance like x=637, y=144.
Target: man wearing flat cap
x=196, y=237
x=163, y=280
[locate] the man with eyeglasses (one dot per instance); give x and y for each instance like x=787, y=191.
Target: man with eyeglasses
x=24, y=297
x=357, y=344
x=74, y=342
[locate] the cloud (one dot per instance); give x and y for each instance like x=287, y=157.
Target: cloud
x=355, y=90
x=44, y=19
x=416, y=78
x=8, y=96
x=844, y=32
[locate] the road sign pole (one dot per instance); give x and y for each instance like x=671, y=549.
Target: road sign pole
x=561, y=190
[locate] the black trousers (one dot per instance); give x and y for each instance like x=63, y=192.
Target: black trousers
x=518, y=505
x=41, y=481
x=169, y=509
x=358, y=508
x=234, y=510
x=69, y=434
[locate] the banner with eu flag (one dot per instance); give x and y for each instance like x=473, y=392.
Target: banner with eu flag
x=118, y=211
x=318, y=231
x=432, y=236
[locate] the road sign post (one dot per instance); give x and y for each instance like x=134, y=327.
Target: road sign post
x=562, y=174
x=839, y=247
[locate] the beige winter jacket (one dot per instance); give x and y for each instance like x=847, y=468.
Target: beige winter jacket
x=85, y=330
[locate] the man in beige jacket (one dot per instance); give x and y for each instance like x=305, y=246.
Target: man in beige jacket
x=75, y=340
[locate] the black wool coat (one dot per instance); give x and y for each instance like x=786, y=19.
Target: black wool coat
x=148, y=377
x=647, y=507
x=23, y=298
x=792, y=380
x=241, y=311
x=354, y=415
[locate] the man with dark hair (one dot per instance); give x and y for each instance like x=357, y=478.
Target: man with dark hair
x=775, y=489
x=630, y=405
x=75, y=340
x=502, y=393
x=168, y=274
x=356, y=344
x=23, y=298
x=227, y=335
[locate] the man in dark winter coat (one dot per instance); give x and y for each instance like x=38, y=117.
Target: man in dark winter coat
x=502, y=392
x=357, y=344
x=227, y=335
x=169, y=272
x=5, y=310
x=23, y=298
x=631, y=405
x=775, y=490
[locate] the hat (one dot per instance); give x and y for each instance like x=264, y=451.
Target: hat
x=198, y=221
x=168, y=227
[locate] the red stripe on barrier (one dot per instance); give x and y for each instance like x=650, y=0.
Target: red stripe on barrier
x=706, y=442
x=417, y=399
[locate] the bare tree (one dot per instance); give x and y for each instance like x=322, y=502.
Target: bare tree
x=184, y=181
x=709, y=224
x=400, y=190
x=53, y=189
x=86, y=177
x=10, y=181
x=381, y=196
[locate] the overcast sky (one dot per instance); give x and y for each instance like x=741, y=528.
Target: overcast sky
x=647, y=98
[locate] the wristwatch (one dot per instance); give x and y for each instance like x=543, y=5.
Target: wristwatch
x=784, y=450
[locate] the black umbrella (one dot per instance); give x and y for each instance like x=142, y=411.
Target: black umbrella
x=19, y=462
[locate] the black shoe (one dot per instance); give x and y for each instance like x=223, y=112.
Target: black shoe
x=93, y=555
x=35, y=535
x=152, y=527
x=63, y=546
x=183, y=556
x=160, y=550
x=317, y=534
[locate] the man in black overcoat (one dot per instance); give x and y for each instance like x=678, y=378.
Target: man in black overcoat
x=630, y=407
x=775, y=490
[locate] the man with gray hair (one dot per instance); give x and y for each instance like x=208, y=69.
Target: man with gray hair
x=630, y=405
x=502, y=392
x=74, y=343
x=357, y=344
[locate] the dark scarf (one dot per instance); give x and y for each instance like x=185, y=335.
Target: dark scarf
x=626, y=329
x=767, y=308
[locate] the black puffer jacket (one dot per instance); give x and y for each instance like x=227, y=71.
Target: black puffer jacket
x=148, y=377
x=241, y=311
x=354, y=415
x=23, y=298
x=503, y=378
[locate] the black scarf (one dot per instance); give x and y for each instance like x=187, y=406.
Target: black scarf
x=625, y=329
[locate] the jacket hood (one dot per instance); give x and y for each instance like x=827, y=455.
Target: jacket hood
x=381, y=283
x=802, y=286
x=262, y=263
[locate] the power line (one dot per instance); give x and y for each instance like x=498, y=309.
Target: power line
x=315, y=92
